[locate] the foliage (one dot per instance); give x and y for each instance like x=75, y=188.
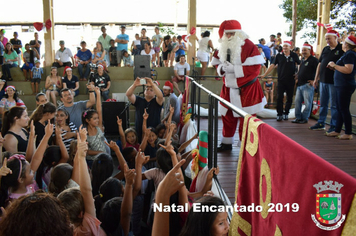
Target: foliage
x=165, y=29
x=342, y=15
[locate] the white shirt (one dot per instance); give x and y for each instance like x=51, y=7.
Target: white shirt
x=204, y=44
x=152, y=52
x=180, y=68
x=64, y=56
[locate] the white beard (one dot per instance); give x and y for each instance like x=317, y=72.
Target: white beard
x=234, y=43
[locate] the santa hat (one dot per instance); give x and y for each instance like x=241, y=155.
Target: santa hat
x=65, y=70
x=333, y=33
x=308, y=46
x=351, y=40
x=100, y=65
x=229, y=26
x=10, y=86
x=168, y=85
x=289, y=43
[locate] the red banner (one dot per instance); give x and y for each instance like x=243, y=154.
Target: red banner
x=284, y=189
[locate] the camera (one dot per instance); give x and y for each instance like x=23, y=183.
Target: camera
x=143, y=81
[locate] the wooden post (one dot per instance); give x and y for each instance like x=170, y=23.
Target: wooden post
x=324, y=7
x=294, y=25
x=49, y=36
x=192, y=22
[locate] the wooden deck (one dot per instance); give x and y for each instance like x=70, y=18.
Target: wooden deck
x=340, y=153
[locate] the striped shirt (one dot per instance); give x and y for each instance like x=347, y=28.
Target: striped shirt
x=66, y=141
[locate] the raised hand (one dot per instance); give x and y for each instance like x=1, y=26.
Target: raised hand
x=49, y=129
x=169, y=148
x=82, y=146
x=171, y=109
x=172, y=181
x=140, y=157
x=129, y=175
x=113, y=145
x=32, y=129
x=4, y=170
x=119, y=121
x=145, y=115
x=83, y=133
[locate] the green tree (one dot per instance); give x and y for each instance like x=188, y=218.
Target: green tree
x=165, y=29
x=343, y=16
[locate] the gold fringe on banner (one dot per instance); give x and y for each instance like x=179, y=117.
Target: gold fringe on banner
x=350, y=223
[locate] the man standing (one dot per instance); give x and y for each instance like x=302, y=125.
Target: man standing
x=75, y=109
x=181, y=70
x=62, y=56
x=266, y=51
x=17, y=45
x=152, y=103
x=36, y=44
x=122, y=40
x=325, y=77
x=272, y=45
x=305, y=89
x=172, y=101
x=287, y=67
x=105, y=41
x=239, y=61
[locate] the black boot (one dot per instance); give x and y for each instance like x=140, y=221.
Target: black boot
x=224, y=147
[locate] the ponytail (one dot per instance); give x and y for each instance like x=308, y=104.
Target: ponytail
x=9, y=118
x=41, y=110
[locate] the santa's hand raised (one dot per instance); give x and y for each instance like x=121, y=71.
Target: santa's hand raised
x=228, y=67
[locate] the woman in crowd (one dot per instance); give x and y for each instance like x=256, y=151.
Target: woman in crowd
x=53, y=85
x=100, y=55
x=67, y=127
x=144, y=39
x=71, y=81
x=344, y=82
x=9, y=60
x=204, y=51
x=10, y=100
x=166, y=49
x=150, y=52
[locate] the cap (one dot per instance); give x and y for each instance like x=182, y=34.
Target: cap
x=123, y=26
x=61, y=42
x=37, y=61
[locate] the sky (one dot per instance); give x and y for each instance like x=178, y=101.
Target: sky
x=258, y=18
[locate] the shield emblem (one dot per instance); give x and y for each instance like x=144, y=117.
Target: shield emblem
x=328, y=208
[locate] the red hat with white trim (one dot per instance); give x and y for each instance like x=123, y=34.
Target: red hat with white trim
x=308, y=46
x=229, y=26
x=351, y=40
x=10, y=86
x=333, y=33
x=168, y=85
x=289, y=43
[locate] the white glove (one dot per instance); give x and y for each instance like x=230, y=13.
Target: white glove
x=228, y=67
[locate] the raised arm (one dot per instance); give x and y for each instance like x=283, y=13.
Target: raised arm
x=99, y=108
x=127, y=201
x=118, y=153
x=38, y=156
x=130, y=91
x=84, y=177
x=31, y=145
x=62, y=147
x=91, y=101
x=186, y=143
x=121, y=132
x=157, y=91
x=140, y=160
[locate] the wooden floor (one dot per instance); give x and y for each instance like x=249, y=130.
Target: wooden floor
x=340, y=153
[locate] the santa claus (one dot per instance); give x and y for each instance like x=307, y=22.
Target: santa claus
x=238, y=61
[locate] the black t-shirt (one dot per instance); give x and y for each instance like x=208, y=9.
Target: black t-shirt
x=70, y=83
x=101, y=81
x=16, y=42
x=33, y=42
x=113, y=60
x=307, y=70
x=154, y=111
x=286, y=66
x=328, y=55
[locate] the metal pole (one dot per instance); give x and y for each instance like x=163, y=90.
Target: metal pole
x=216, y=119
x=210, y=131
x=192, y=99
x=198, y=124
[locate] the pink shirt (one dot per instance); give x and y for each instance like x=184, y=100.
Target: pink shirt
x=89, y=227
x=4, y=41
x=30, y=189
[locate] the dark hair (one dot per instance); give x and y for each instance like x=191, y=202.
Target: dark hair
x=9, y=118
x=72, y=200
x=60, y=176
x=101, y=170
x=128, y=154
x=41, y=110
x=11, y=180
x=164, y=161
x=111, y=40
x=65, y=112
x=15, y=96
x=110, y=216
x=123, y=52
x=109, y=189
x=179, y=37
x=87, y=115
x=167, y=37
x=51, y=157
x=38, y=214
x=206, y=33
x=160, y=127
x=64, y=90
x=197, y=222
x=129, y=130
x=157, y=27
x=27, y=44
x=102, y=49
x=39, y=95
x=7, y=51
x=272, y=35
x=279, y=34
x=182, y=55
x=261, y=40
x=72, y=151
x=143, y=29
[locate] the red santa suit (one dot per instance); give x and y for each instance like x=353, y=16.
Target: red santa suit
x=241, y=86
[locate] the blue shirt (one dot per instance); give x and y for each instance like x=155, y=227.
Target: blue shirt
x=266, y=50
x=121, y=46
x=37, y=72
x=341, y=79
x=84, y=56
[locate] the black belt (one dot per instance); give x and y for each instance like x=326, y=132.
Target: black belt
x=247, y=84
